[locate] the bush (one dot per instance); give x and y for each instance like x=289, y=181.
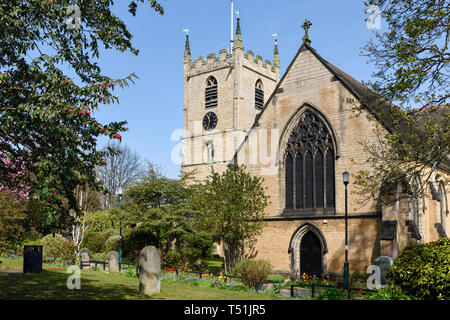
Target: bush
x=12, y=216
x=95, y=241
x=423, y=270
x=391, y=293
x=253, y=271
x=58, y=248
x=359, y=277
x=113, y=243
x=137, y=239
x=332, y=294
x=189, y=251
x=30, y=243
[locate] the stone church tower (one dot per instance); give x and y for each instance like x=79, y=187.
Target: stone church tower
x=222, y=96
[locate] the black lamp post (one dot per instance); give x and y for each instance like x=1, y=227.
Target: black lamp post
x=120, y=193
x=345, y=179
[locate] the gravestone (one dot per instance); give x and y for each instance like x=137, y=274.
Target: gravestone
x=84, y=258
x=113, y=261
x=384, y=262
x=150, y=271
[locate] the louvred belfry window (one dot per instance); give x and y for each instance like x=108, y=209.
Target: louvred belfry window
x=259, y=95
x=211, y=93
x=309, y=166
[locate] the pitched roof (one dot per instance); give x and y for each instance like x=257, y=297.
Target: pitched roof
x=384, y=111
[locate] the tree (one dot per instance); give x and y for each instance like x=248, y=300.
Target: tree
x=88, y=200
x=159, y=205
x=46, y=117
x=12, y=215
x=122, y=167
x=230, y=206
x=412, y=95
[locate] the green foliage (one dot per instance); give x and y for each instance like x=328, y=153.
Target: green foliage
x=276, y=277
x=137, y=239
x=276, y=288
x=411, y=56
x=332, y=294
x=30, y=243
x=101, y=220
x=359, y=277
x=95, y=241
x=412, y=52
x=46, y=118
x=253, y=271
x=230, y=206
x=190, y=249
x=423, y=270
x=159, y=205
x=12, y=215
x=112, y=244
x=57, y=248
x=391, y=293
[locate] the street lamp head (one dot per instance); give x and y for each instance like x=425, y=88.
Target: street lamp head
x=120, y=192
x=345, y=177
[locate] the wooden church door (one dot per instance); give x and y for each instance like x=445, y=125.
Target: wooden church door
x=310, y=255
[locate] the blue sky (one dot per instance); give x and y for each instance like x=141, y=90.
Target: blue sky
x=153, y=106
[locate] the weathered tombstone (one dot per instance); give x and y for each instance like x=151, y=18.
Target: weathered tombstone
x=113, y=262
x=84, y=258
x=150, y=271
x=384, y=262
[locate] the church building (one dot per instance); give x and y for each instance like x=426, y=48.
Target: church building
x=300, y=134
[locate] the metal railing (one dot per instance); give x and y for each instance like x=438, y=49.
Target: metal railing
x=315, y=285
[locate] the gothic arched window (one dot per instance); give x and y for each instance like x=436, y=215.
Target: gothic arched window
x=309, y=166
x=417, y=209
x=211, y=93
x=443, y=210
x=259, y=94
x=209, y=148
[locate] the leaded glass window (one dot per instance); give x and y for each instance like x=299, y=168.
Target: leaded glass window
x=309, y=166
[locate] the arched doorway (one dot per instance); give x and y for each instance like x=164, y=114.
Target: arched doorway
x=310, y=255
x=308, y=249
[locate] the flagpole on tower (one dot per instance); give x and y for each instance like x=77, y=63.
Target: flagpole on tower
x=231, y=33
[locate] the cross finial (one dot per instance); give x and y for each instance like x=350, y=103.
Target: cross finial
x=306, y=25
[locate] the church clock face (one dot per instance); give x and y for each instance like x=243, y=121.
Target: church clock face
x=209, y=121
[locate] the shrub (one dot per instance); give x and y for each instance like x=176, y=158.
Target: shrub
x=32, y=236
x=391, y=293
x=423, y=270
x=12, y=216
x=30, y=243
x=58, y=248
x=332, y=294
x=95, y=241
x=137, y=239
x=359, y=277
x=253, y=271
x=113, y=243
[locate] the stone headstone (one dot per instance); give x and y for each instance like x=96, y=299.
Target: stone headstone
x=384, y=262
x=150, y=271
x=84, y=258
x=113, y=261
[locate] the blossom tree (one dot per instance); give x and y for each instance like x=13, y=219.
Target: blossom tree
x=46, y=115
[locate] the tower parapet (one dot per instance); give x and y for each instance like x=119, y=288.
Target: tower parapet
x=225, y=59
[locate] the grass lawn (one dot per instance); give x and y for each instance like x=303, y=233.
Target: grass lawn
x=51, y=284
